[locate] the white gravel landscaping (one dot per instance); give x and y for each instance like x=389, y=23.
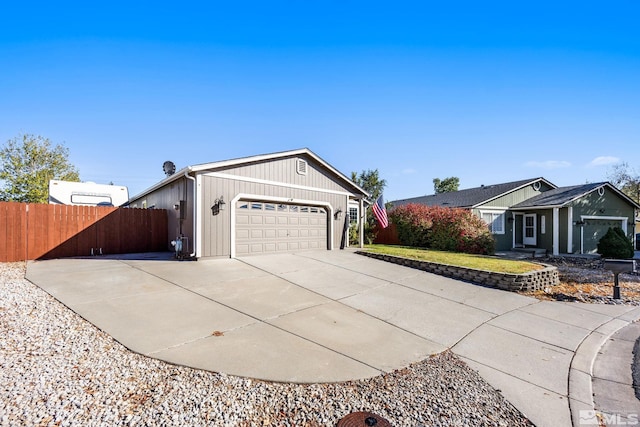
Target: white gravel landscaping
x=56, y=369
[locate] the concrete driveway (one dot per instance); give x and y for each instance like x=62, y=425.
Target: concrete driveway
x=327, y=316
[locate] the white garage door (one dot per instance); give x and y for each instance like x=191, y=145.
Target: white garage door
x=263, y=227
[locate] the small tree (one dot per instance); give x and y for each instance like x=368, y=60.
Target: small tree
x=371, y=182
x=626, y=179
x=28, y=163
x=446, y=185
x=615, y=244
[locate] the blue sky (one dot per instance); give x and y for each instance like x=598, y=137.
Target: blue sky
x=486, y=91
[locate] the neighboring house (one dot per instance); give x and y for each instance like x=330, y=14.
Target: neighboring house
x=534, y=213
x=276, y=202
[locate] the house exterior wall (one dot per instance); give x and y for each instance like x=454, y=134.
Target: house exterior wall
x=563, y=230
x=284, y=170
x=166, y=198
x=503, y=240
x=503, y=203
x=544, y=240
x=277, y=180
x=217, y=229
x=599, y=211
x=517, y=196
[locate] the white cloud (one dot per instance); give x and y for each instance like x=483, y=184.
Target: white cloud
x=603, y=161
x=549, y=164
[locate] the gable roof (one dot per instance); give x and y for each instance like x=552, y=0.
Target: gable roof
x=471, y=197
x=562, y=196
x=205, y=167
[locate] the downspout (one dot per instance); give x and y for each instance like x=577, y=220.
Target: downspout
x=195, y=211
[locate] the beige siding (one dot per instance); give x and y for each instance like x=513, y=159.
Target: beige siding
x=273, y=180
x=216, y=229
x=165, y=198
x=284, y=170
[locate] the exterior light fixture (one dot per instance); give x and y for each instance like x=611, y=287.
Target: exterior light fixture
x=218, y=206
x=338, y=214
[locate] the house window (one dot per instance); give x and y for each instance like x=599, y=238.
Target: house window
x=353, y=215
x=495, y=220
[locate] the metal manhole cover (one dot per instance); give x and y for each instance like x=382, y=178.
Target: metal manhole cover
x=363, y=419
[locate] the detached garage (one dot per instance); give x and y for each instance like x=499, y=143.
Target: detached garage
x=280, y=202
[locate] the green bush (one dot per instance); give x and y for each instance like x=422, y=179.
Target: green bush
x=444, y=229
x=615, y=244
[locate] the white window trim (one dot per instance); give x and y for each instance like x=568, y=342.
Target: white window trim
x=498, y=213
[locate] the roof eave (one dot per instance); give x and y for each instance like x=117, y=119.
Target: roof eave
x=176, y=176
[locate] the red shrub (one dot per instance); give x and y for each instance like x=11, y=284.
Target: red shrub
x=446, y=229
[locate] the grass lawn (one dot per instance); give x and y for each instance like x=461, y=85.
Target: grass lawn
x=477, y=262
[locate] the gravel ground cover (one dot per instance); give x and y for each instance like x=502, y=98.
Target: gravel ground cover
x=58, y=370
x=586, y=280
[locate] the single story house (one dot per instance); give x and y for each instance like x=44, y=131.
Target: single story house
x=534, y=213
x=268, y=203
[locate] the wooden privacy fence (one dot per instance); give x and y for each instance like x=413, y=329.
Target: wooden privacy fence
x=42, y=231
x=387, y=236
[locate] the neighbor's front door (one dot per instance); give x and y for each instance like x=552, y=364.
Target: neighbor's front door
x=530, y=230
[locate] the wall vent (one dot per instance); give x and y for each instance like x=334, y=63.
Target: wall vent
x=301, y=166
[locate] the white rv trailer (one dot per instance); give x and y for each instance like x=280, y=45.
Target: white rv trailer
x=87, y=194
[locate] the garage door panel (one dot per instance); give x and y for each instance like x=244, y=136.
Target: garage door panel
x=262, y=227
x=294, y=246
x=282, y=246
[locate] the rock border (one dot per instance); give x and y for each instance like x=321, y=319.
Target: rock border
x=531, y=281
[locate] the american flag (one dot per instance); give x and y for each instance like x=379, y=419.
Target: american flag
x=380, y=212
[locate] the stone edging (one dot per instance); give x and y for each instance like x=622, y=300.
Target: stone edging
x=531, y=281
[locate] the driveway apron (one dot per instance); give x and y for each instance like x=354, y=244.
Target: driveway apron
x=329, y=316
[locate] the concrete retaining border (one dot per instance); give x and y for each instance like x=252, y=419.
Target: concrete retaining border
x=531, y=281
